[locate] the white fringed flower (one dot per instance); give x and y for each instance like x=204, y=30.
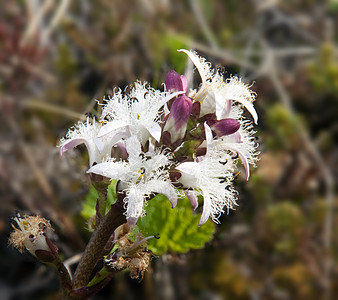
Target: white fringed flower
x=87, y=133
x=215, y=95
x=141, y=175
x=137, y=113
x=241, y=142
x=211, y=177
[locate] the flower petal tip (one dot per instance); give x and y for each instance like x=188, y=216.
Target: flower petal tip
x=131, y=221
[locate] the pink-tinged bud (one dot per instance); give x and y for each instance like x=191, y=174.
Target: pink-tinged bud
x=176, y=82
x=184, y=83
x=178, y=118
x=225, y=127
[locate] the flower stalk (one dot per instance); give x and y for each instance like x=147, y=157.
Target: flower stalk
x=97, y=242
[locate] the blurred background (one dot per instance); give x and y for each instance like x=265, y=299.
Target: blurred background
x=58, y=57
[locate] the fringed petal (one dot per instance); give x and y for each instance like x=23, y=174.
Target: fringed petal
x=192, y=198
x=197, y=62
x=206, y=211
x=72, y=143
x=135, y=199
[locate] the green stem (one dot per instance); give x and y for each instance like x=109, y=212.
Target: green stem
x=100, y=207
x=99, y=277
x=101, y=203
x=96, y=245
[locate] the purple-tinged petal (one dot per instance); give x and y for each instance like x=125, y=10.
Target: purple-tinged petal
x=225, y=127
x=233, y=138
x=184, y=83
x=72, y=144
x=173, y=82
x=243, y=158
x=206, y=211
x=131, y=221
x=192, y=198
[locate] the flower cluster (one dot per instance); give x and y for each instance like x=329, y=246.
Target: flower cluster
x=173, y=142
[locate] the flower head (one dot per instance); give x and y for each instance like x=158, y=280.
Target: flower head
x=215, y=94
x=127, y=144
x=211, y=177
x=142, y=175
x=87, y=133
x=135, y=113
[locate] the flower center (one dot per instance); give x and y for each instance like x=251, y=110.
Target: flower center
x=142, y=170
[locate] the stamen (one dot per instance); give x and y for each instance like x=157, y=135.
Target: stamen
x=223, y=162
x=90, y=115
x=237, y=174
x=222, y=179
x=235, y=157
x=142, y=171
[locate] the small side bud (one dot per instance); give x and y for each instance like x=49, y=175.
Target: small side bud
x=29, y=233
x=178, y=118
x=225, y=127
x=175, y=82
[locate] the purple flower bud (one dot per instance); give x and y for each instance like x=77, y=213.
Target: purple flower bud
x=178, y=117
x=176, y=82
x=225, y=127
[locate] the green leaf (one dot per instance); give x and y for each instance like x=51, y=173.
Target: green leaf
x=111, y=193
x=89, y=206
x=178, y=227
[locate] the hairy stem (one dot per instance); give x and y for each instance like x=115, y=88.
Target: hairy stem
x=94, y=249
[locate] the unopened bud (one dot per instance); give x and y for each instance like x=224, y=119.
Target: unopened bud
x=178, y=118
x=225, y=127
x=176, y=82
